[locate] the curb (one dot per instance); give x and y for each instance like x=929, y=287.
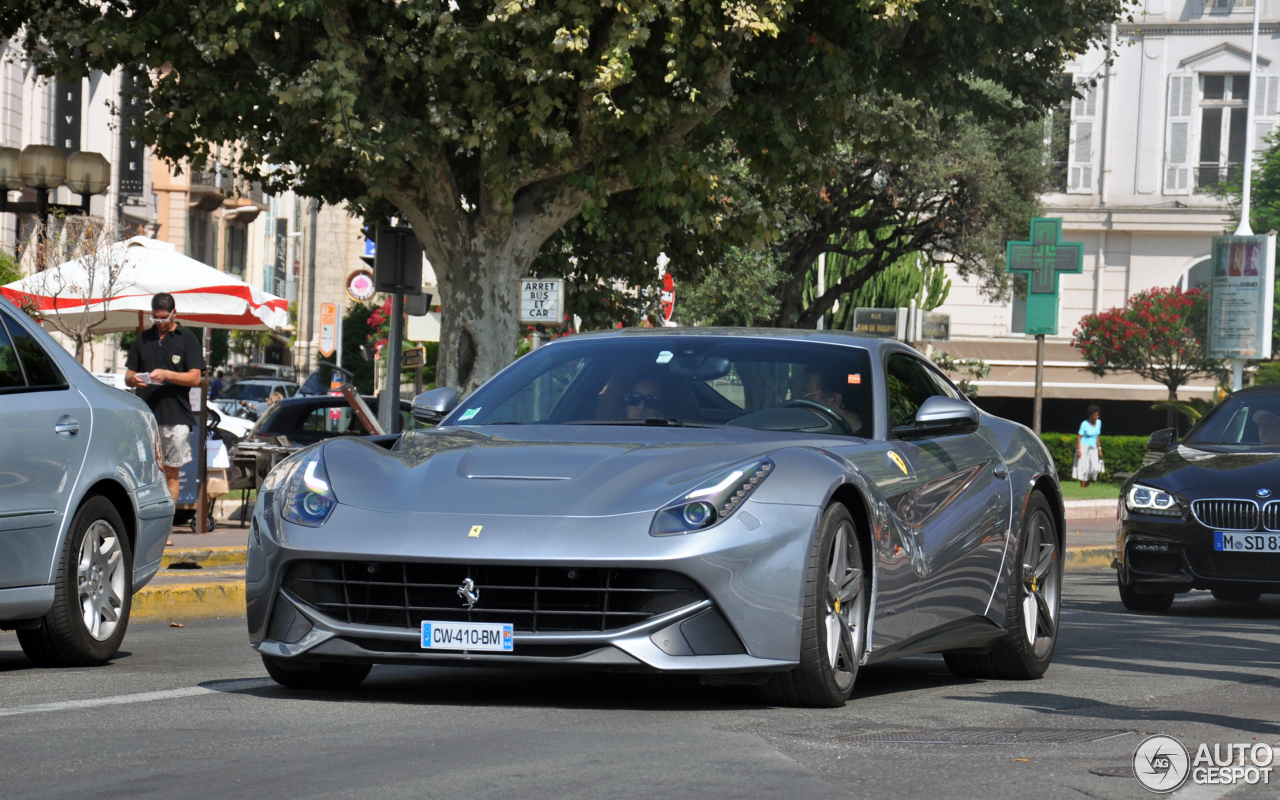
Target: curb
x=1083, y=559
x=204, y=556
x=192, y=601
x=1089, y=509
x=223, y=600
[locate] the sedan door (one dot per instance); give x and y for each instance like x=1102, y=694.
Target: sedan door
x=957, y=510
x=44, y=435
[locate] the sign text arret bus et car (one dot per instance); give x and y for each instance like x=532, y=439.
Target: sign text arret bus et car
x=542, y=301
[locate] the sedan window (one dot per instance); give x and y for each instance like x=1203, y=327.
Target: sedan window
x=39, y=367
x=10, y=370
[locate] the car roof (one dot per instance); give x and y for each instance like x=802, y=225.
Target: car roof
x=262, y=379
x=848, y=338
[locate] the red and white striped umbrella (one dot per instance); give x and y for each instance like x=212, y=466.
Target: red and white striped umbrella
x=205, y=297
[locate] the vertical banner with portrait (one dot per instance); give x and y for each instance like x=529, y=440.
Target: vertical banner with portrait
x=1240, y=295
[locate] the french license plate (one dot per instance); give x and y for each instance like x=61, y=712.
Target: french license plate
x=1246, y=542
x=466, y=636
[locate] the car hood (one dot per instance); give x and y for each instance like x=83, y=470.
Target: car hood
x=538, y=470
x=1206, y=473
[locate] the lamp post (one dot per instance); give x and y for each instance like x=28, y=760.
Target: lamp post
x=43, y=168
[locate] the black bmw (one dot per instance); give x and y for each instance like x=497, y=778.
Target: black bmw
x=1206, y=515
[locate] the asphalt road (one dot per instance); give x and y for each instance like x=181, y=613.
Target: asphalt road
x=187, y=712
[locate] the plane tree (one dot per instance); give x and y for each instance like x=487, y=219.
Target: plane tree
x=489, y=126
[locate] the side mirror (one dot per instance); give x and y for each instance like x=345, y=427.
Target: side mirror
x=1163, y=440
x=942, y=414
x=433, y=406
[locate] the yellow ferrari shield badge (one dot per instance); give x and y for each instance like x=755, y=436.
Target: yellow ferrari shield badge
x=475, y=531
x=897, y=459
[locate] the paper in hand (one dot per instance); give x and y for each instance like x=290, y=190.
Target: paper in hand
x=143, y=377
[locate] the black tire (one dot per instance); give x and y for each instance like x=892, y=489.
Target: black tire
x=1036, y=579
x=1143, y=602
x=1234, y=595
x=825, y=677
x=321, y=675
x=64, y=638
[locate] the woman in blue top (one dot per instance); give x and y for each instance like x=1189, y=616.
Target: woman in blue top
x=1088, y=465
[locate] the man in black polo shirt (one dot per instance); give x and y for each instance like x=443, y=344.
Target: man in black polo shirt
x=164, y=362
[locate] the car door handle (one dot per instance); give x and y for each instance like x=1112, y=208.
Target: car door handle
x=1000, y=471
x=67, y=427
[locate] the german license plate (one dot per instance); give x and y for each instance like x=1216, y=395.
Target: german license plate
x=1246, y=542
x=466, y=636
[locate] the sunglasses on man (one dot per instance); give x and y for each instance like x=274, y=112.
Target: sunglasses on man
x=637, y=399
x=172, y=317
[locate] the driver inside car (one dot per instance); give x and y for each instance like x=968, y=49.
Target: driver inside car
x=834, y=391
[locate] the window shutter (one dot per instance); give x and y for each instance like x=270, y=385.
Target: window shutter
x=1084, y=110
x=1177, y=152
x=1264, y=111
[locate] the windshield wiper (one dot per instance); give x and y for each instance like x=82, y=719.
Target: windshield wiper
x=671, y=422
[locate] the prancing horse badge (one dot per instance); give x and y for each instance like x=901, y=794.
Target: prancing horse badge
x=475, y=531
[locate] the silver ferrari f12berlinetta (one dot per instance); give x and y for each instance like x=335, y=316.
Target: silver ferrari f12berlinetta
x=752, y=506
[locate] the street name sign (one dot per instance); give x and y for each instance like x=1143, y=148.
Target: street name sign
x=879, y=322
x=1043, y=260
x=1241, y=293
x=542, y=301
x=413, y=357
x=935, y=327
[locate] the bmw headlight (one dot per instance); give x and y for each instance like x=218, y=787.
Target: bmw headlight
x=713, y=501
x=306, y=497
x=1146, y=500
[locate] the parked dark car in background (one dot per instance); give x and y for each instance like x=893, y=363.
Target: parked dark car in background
x=1206, y=514
x=292, y=424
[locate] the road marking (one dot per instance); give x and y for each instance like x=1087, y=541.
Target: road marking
x=212, y=687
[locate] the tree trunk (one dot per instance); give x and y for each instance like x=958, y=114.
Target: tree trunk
x=479, y=322
x=1171, y=416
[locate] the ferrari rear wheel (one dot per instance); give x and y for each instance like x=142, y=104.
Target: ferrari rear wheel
x=1033, y=607
x=322, y=675
x=833, y=629
x=1143, y=602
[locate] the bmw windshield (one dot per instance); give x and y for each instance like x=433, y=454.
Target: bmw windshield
x=1240, y=423
x=651, y=379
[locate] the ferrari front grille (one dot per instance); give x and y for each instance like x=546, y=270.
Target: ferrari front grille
x=533, y=599
x=1226, y=515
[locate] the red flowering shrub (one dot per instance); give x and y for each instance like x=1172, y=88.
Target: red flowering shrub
x=1160, y=335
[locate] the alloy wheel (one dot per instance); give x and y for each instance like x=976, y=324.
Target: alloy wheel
x=845, y=600
x=100, y=580
x=1040, y=584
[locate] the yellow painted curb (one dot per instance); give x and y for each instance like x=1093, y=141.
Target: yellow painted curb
x=204, y=556
x=192, y=601
x=1081, y=559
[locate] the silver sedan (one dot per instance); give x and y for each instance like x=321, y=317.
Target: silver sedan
x=84, y=508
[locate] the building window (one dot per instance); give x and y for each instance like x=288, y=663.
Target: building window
x=198, y=236
x=1224, y=101
x=1084, y=115
x=1058, y=140
x=237, y=249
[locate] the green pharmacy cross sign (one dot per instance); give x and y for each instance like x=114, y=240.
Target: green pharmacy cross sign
x=1042, y=260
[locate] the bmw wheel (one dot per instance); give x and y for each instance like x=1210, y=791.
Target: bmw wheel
x=833, y=632
x=1133, y=601
x=1033, y=607
x=91, y=593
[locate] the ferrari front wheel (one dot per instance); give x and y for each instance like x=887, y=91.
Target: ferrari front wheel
x=833, y=627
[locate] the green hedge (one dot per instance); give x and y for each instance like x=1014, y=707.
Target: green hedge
x=1119, y=453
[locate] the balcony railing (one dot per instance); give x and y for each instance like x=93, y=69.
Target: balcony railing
x=1210, y=176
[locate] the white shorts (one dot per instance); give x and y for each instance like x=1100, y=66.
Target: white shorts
x=175, y=444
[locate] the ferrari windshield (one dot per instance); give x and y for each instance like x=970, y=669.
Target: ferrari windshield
x=1241, y=422
x=652, y=379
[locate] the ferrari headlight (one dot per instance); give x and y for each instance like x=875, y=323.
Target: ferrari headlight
x=1146, y=500
x=713, y=501
x=307, y=498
